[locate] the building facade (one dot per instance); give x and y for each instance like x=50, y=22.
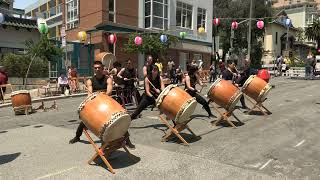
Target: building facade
x=101, y=17
x=283, y=3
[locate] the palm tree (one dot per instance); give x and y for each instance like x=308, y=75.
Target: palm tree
x=313, y=32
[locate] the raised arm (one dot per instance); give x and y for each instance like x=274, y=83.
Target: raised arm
x=89, y=87
x=119, y=75
x=109, y=86
x=147, y=84
x=161, y=83
x=145, y=72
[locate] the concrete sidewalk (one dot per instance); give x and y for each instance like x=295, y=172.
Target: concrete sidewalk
x=42, y=152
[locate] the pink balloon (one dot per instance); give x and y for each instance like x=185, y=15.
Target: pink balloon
x=260, y=24
x=112, y=38
x=138, y=40
x=234, y=25
x=216, y=21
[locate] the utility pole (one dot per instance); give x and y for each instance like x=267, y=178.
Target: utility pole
x=250, y=26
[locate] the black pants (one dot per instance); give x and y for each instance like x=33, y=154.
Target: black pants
x=201, y=101
x=145, y=102
x=82, y=126
x=212, y=77
x=63, y=86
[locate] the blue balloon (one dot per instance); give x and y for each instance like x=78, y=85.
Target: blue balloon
x=163, y=38
x=288, y=22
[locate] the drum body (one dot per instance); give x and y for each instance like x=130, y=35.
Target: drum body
x=264, y=74
x=176, y=104
x=20, y=98
x=225, y=94
x=104, y=116
x=256, y=88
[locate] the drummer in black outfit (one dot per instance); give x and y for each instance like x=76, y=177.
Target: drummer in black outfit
x=153, y=87
x=190, y=86
x=147, y=67
x=99, y=82
x=129, y=77
x=231, y=74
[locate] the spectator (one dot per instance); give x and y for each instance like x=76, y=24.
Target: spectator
x=3, y=80
x=170, y=68
x=212, y=73
x=178, y=76
x=159, y=64
x=63, y=83
x=309, y=66
x=284, y=68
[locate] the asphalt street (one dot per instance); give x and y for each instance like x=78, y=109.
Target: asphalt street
x=283, y=145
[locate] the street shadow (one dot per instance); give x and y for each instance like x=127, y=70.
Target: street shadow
x=201, y=116
x=2, y=132
x=87, y=142
x=257, y=113
x=223, y=123
x=73, y=120
x=118, y=160
x=25, y=125
x=186, y=136
x=39, y=126
x=8, y=158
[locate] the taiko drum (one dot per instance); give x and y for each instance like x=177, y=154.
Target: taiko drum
x=176, y=104
x=104, y=116
x=225, y=94
x=256, y=88
x=20, y=98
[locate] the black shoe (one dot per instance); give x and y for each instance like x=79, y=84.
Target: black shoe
x=74, y=140
x=211, y=116
x=130, y=145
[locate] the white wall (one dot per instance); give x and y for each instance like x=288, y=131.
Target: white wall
x=10, y=37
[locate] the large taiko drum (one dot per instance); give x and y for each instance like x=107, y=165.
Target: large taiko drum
x=176, y=104
x=104, y=116
x=20, y=100
x=256, y=88
x=225, y=94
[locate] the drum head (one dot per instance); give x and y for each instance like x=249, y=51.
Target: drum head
x=264, y=93
x=187, y=112
x=117, y=128
x=106, y=58
x=213, y=85
x=235, y=99
x=248, y=81
x=164, y=93
x=20, y=92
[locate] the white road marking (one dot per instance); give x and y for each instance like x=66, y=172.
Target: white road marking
x=300, y=143
x=56, y=173
x=266, y=164
x=255, y=165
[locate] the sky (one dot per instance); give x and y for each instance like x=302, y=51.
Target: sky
x=21, y=4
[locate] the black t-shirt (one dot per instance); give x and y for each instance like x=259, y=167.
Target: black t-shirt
x=156, y=83
x=99, y=84
x=130, y=74
x=227, y=75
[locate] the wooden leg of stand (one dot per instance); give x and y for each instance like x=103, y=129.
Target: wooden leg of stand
x=96, y=154
x=165, y=138
x=174, y=131
x=266, y=109
x=226, y=117
x=99, y=152
x=221, y=116
x=190, y=130
x=260, y=108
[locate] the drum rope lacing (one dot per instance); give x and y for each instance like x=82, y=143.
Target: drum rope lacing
x=114, y=117
x=89, y=98
x=233, y=98
x=183, y=107
x=19, y=92
x=265, y=90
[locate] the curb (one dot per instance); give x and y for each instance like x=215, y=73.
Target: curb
x=48, y=99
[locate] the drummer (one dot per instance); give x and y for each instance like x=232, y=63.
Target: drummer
x=147, y=67
x=153, y=86
x=231, y=74
x=191, y=79
x=129, y=77
x=99, y=82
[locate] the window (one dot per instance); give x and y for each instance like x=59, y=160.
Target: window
x=156, y=14
x=201, y=18
x=112, y=10
x=72, y=13
x=184, y=15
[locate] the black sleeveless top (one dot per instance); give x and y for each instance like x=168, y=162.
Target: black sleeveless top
x=129, y=73
x=99, y=84
x=156, y=83
x=193, y=81
x=149, y=69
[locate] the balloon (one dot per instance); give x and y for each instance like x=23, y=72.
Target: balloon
x=1, y=18
x=163, y=38
x=183, y=35
x=216, y=21
x=234, y=25
x=260, y=24
x=201, y=30
x=82, y=36
x=112, y=38
x=138, y=40
x=43, y=28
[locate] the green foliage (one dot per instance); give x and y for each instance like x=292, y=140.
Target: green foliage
x=313, y=32
x=151, y=44
x=17, y=65
x=256, y=55
x=44, y=49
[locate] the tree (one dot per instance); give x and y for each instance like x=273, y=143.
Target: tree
x=312, y=32
x=151, y=44
x=43, y=50
x=17, y=66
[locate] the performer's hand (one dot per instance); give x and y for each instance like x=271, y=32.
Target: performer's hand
x=126, y=79
x=236, y=85
x=158, y=91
